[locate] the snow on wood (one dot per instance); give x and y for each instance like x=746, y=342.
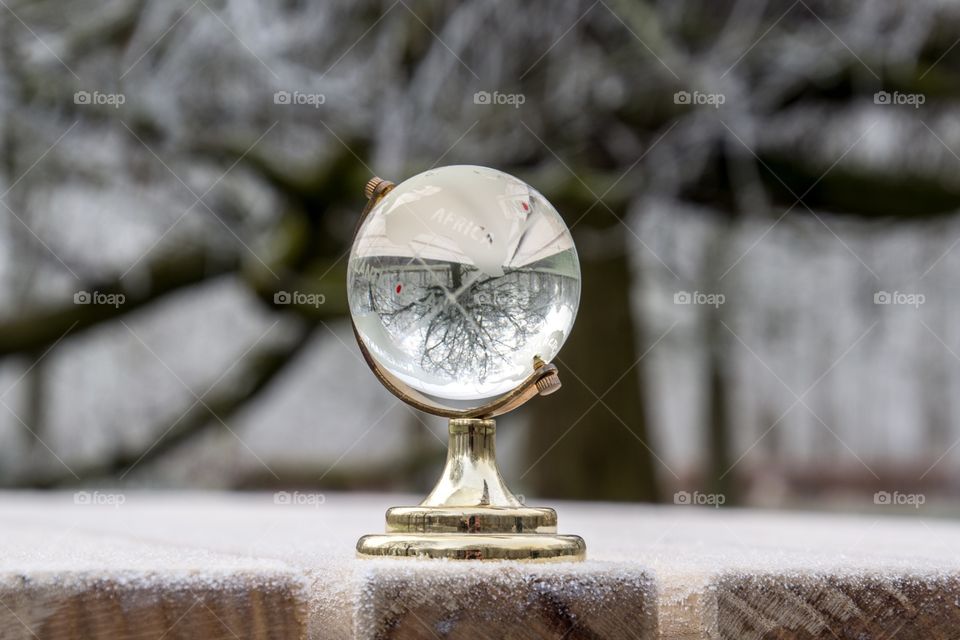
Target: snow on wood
x=148, y=565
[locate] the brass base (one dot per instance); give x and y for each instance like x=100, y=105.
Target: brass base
x=475, y=546
x=470, y=514
x=471, y=520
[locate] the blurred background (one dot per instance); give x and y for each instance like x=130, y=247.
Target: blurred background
x=764, y=197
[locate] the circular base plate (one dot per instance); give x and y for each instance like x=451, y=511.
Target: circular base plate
x=475, y=546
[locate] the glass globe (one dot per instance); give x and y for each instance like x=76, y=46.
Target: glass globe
x=458, y=278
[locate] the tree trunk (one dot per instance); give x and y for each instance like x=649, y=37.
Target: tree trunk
x=578, y=447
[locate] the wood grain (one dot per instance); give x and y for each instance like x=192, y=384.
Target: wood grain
x=852, y=607
x=109, y=609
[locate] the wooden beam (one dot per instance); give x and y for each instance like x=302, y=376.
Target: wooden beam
x=147, y=565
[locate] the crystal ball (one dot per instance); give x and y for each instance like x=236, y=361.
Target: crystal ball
x=458, y=278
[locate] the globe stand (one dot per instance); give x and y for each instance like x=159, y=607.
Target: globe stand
x=470, y=514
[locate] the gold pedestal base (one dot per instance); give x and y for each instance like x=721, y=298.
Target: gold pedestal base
x=470, y=514
x=475, y=546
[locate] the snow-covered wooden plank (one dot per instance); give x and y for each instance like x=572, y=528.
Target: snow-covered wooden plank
x=507, y=601
x=70, y=581
x=751, y=575
x=866, y=605
x=226, y=565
